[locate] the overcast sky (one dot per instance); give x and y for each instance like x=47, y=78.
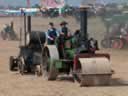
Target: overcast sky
x=71, y=2
x=23, y=2
x=17, y=2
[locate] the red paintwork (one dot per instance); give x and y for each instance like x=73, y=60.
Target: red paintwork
x=126, y=37
x=118, y=44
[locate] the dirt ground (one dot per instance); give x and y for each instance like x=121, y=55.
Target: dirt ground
x=13, y=84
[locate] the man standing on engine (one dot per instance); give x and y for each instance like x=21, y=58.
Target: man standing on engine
x=52, y=33
x=63, y=36
x=64, y=30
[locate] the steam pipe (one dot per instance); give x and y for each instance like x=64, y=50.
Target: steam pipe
x=25, y=31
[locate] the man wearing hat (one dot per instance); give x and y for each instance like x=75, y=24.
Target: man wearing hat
x=52, y=33
x=64, y=29
x=63, y=36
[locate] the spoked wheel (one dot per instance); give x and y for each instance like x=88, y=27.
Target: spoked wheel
x=49, y=70
x=3, y=35
x=21, y=65
x=117, y=44
x=105, y=43
x=13, y=36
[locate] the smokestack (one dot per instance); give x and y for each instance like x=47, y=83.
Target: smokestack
x=27, y=27
x=29, y=24
x=25, y=31
x=84, y=22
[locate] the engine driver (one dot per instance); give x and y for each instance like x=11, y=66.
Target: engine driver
x=64, y=31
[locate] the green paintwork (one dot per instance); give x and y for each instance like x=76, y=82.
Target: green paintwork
x=70, y=53
x=58, y=64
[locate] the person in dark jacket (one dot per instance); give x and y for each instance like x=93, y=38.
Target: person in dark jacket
x=63, y=36
x=52, y=33
x=64, y=31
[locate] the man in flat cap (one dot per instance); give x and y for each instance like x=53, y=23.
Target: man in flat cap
x=64, y=31
x=52, y=33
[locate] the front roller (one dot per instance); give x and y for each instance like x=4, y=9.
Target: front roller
x=50, y=54
x=94, y=71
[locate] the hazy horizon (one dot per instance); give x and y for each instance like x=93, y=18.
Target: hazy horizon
x=71, y=2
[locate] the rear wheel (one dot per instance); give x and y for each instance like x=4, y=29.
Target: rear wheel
x=117, y=44
x=105, y=43
x=3, y=35
x=50, y=71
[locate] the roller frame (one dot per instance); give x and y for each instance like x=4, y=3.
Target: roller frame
x=92, y=79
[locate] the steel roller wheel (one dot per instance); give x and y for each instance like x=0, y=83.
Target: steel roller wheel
x=49, y=70
x=94, y=72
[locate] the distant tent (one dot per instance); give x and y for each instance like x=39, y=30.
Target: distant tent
x=111, y=1
x=77, y=3
x=53, y=3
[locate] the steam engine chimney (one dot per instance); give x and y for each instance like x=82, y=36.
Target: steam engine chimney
x=83, y=22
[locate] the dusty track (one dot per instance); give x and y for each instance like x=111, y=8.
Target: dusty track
x=13, y=84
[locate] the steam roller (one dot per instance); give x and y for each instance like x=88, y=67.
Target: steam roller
x=29, y=59
x=77, y=55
